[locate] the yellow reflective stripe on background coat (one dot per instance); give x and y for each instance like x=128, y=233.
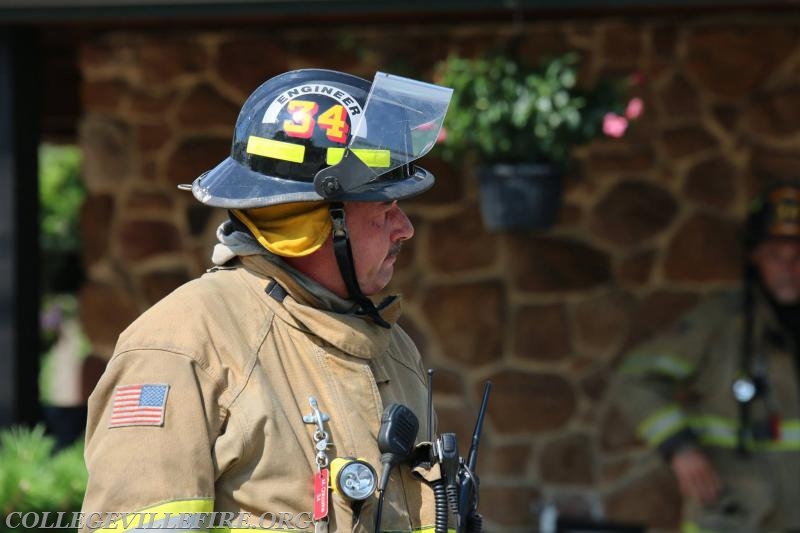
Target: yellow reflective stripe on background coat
x=691, y=527
x=666, y=364
x=662, y=424
x=723, y=432
x=714, y=430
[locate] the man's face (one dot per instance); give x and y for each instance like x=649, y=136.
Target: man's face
x=778, y=261
x=376, y=234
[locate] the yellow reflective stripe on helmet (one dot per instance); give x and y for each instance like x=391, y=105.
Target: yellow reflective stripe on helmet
x=665, y=364
x=662, y=424
x=372, y=158
x=295, y=153
x=151, y=517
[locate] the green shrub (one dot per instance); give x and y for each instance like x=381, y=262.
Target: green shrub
x=34, y=478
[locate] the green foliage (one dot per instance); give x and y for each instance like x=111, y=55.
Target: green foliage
x=61, y=194
x=506, y=111
x=33, y=478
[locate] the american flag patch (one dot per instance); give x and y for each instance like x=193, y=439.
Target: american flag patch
x=138, y=405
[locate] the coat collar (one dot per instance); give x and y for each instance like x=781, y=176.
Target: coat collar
x=350, y=333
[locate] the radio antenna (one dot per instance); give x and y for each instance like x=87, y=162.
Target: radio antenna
x=430, y=405
x=476, y=435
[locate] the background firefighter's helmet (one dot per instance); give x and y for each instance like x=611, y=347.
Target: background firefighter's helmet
x=292, y=127
x=774, y=213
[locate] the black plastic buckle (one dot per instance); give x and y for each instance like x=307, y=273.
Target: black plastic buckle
x=338, y=219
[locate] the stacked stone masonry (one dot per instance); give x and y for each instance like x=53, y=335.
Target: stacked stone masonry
x=648, y=224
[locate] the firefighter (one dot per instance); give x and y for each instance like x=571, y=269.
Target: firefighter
x=719, y=394
x=238, y=391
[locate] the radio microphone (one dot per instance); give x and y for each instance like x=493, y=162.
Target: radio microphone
x=396, y=437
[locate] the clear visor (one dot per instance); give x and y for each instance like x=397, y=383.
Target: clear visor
x=401, y=122
x=400, y=104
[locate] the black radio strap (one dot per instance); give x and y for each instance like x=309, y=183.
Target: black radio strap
x=745, y=426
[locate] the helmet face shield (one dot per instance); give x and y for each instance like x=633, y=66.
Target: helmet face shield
x=297, y=126
x=402, y=120
x=401, y=104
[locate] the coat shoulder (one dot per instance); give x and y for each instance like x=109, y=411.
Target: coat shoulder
x=211, y=319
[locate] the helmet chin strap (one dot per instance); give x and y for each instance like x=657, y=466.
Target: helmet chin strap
x=344, y=258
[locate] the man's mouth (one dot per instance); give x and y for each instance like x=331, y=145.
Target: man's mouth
x=394, y=251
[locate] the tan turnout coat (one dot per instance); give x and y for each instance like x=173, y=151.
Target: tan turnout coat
x=241, y=365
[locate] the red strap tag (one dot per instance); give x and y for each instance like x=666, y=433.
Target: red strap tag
x=321, y=494
x=775, y=426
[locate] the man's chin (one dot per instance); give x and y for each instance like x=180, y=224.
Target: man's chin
x=377, y=286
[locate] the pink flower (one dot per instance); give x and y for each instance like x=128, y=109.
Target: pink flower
x=428, y=126
x=614, y=125
x=635, y=108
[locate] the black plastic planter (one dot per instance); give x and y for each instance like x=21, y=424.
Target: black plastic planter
x=519, y=196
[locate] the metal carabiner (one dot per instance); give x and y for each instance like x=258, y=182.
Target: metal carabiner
x=320, y=435
x=318, y=417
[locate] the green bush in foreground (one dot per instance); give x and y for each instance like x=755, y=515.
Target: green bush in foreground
x=35, y=478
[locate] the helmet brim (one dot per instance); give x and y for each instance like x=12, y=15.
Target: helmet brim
x=233, y=186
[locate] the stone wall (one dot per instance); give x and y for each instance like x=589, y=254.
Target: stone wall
x=648, y=224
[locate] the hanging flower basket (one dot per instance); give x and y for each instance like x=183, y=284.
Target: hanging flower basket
x=510, y=117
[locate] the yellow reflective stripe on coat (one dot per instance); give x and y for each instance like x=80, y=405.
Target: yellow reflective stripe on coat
x=423, y=529
x=150, y=517
x=175, y=514
x=371, y=158
x=789, y=439
x=284, y=151
x=251, y=529
x=691, y=527
x=662, y=424
x=715, y=430
x=668, y=365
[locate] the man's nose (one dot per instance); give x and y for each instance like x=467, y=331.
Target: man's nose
x=402, y=228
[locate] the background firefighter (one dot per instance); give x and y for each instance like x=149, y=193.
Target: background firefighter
x=719, y=394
